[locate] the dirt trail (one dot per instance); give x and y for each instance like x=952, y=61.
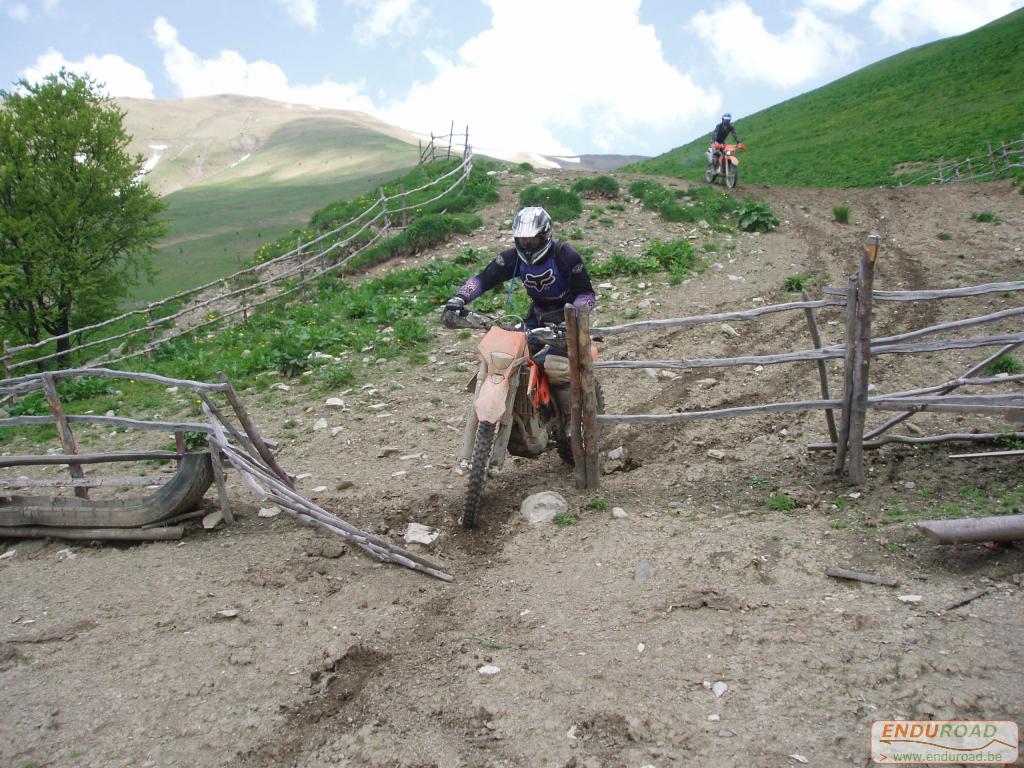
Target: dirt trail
x=342, y=661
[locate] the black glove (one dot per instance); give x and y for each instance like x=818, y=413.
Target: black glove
x=456, y=304
x=455, y=308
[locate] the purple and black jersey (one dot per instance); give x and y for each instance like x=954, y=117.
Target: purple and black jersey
x=558, y=279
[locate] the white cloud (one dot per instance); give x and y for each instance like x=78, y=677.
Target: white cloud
x=750, y=52
x=594, y=71
x=838, y=6
x=118, y=76
x=230, y=73
x=303, y=12
x=18, y=11
x=387, y=17
x=919, y=19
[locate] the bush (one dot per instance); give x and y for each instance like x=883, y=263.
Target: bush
x=1004, y=364
x=987, y=217
x=795, y=283
x=599, y=186
x=756, y=217
x=841, y=213
x=562, y=204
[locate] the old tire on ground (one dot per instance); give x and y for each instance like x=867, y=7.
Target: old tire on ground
x=478, y=473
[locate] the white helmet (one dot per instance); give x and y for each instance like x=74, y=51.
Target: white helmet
x=727, y=118
x=531, y=230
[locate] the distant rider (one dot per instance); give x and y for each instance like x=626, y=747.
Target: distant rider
x=554, y=275
x=719, y=134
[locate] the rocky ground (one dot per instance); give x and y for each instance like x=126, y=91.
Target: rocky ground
x=698, y=629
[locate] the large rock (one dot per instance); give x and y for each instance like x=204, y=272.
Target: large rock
x=543, y=507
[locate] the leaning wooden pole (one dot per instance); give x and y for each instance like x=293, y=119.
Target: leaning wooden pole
x=862, y=360
x=812, y=325
x=576, y=397
x=588, y=415
x=844, y=428
x=251, y=431
x=67, y=437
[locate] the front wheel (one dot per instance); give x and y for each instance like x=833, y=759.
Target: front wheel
x=732, y=175
x=478, y=473
x=709, y=173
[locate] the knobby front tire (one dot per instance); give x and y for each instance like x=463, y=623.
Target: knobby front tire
x=732, y=175
x=478, y=473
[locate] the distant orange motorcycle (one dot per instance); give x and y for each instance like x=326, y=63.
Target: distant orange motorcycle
x=724, y=163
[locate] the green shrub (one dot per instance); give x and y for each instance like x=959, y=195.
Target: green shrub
x=987, y=217
x=841, y=213
x=575, y=234
x=945, y=236
x=563, y=205
x=600, y=186
x=1004, y=364
x=780, y=502
x=756, y=217
x=795, y=283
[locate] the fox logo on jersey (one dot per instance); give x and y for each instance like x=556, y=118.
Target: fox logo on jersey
x=539, y=282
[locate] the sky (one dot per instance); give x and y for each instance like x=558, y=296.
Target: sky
x=560, y=77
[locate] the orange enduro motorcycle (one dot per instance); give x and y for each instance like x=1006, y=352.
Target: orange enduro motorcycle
x=724, y=164
x=514, y=408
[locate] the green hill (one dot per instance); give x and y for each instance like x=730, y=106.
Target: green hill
x=894, y=119
x=238, y=171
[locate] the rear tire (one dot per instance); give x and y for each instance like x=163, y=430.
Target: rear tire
x=732, y=175
x=478, y=473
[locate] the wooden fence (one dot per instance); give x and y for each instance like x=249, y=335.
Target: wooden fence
x=230, y=296
x=850, y=437
x=995, y=163
x=232, y=441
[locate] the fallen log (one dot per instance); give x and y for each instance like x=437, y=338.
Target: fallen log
x=966, y=530
x=867, y=578
x=167, y=533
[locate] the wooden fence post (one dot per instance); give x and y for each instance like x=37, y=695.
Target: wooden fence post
x=218, y=477
x=1006, y=160
x=465, y=145
x=419, y=143
x=812, y=324
x=151, y=351
x=250, y=430
x=431, y=146
x=451, y=137
x=576, y=397
x=67, y=437
x=322, y=261
x=851, y=321
x=7, y=359
x=404, y=221
x=384, y=208
x=862, y=362
x=588, y=415
x=940, y=172
x=991, y=158
x=970, y=169
x=302, y=267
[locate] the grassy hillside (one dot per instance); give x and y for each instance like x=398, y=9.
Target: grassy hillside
x=237, y=172
x=891, y=120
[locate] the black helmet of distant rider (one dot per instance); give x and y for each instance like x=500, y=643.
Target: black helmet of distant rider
x=723, y=129
x=531, y=231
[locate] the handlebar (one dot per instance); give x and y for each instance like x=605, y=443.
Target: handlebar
x=549, y=333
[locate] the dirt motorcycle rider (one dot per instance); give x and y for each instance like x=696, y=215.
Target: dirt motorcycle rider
x=718, y=136
x=553, y=274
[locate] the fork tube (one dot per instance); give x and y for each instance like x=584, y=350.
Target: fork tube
x=501, y=440
x=469, y=435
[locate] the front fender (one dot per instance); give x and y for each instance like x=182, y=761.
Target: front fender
x=734, y=160
x=492, y=399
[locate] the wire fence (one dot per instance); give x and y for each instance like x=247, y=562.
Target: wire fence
x=215, y=302
x=994, y=164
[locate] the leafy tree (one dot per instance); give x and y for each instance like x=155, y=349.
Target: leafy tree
x=77, y=224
